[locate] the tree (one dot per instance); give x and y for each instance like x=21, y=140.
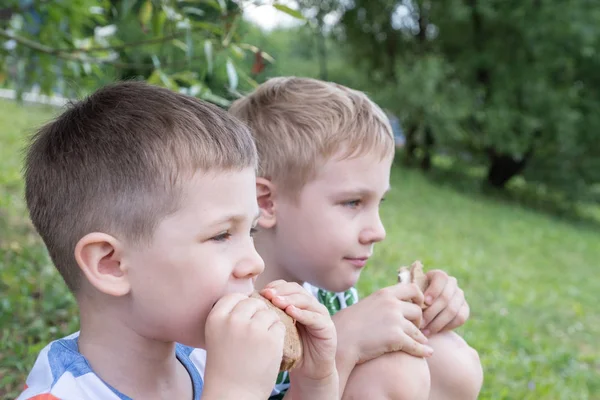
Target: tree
x=75, y=46
x=512, y=84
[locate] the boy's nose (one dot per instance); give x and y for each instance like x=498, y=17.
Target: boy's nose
x=251, y=266
x=374, y=233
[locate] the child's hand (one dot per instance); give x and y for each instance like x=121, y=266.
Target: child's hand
x=244, y=345
x=383, y=322
x=447, y=308
x=315, y=375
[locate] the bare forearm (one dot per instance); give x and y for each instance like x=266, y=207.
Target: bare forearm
x=346, y=356
x=224, y=394
x=345, y=364
x=323, y=389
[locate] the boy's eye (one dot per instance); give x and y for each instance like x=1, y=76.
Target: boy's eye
x=351, y=203
x=221, y=237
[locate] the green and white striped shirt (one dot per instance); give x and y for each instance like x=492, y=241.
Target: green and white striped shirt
x=334, y=303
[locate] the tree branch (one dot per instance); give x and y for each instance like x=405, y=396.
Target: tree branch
x=156, y=40
x=65, y=55
x=40, y=47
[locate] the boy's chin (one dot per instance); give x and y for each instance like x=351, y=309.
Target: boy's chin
x=342, y=283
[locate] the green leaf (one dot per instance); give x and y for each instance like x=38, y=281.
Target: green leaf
x=223, y=6
x=208, y=52
x=154, y=78
x=231, y=31
x=190, y=46
x=158, y=22
x=237, y=51
x=179, y=44
x=145, y=12
x=155, y=61
x=159, y=78
x=194, y=11
x=126, y=6
x=207, y=26
x=213, y=98
x=232, y=75
x=212, y=3
x=189, y=77
x=248, y=79
x=289, y=11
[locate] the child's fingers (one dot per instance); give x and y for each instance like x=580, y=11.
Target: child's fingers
x=226, y=304
x=266, y=318
x=439, y=304
x=314, y=321
x=446, y=316
x=405, y=292
x=413, y=313
x=437, y=282
x=413, y=332
x=282, y=288
x=299, y=300
x=247, y=308
x=460, y=319
x=276, y=283
x=415, y=348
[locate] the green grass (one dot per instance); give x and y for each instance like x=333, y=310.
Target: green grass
x=35, y=306
x=529, y=277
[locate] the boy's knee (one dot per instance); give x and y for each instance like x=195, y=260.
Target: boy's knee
x=455, y=368
x=397, y=376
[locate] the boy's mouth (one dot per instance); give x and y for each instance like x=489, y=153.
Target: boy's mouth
x=358, y=262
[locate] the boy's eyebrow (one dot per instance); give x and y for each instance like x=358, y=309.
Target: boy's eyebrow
x=235, y=218
x=361, y=192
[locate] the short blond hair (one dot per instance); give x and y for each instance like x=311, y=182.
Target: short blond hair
x=116, y=163
x=299, y=123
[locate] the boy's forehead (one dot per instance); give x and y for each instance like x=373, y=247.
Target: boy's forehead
x=352, y=167
x=361, y=173
x=222, y=195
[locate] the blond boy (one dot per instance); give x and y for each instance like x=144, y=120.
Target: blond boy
x=146, y=201
x=325, y=154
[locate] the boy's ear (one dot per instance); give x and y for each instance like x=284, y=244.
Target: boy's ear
x=100, y=259
x=265, y=196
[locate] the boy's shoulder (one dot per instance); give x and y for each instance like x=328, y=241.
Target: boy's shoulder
x=62, y=372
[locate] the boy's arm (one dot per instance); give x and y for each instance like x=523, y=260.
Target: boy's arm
x=323, y=389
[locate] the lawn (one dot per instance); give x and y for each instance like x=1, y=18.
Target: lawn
x=529, y=277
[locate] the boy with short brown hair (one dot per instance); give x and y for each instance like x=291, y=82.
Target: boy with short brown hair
x=146, y=201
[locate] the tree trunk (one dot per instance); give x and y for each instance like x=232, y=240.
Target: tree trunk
x=427, y=148
x=410, y=145
x=503, y=167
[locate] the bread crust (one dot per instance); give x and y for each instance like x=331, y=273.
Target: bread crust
x=292, y=345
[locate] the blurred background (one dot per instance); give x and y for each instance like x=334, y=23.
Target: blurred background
x=495, y=106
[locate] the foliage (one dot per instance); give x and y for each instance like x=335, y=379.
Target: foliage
x=514, y=84
x=192, y=46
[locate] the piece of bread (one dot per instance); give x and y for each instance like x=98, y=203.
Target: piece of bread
x=292, y=346
x=414, y=274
